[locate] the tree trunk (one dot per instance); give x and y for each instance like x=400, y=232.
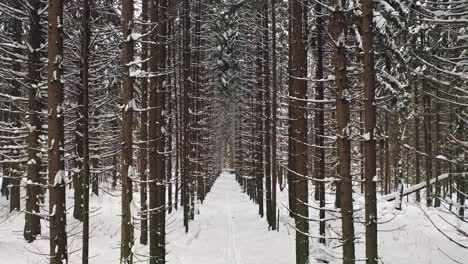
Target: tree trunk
x=274, y=122
x=85, y=90
x=298, y=131
x=427, y=144
x=370, y=154
x=267, y=89
x=32, y=226
x=416, y=140
x=187, y=87
x=169, y=102
x=437, y=195
x=144, y=127
x=258, y=113
x=338, y=28
x=461, y=181
x=157, y=186
x=57, y=176
x=126, y=254
x=319, y=165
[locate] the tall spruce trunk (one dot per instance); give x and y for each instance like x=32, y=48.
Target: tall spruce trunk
x=144, y=128
x=186, y=97
x=298, y=131
x=57, y=176
x=153, y=134
x=319, y=166
x=258, y=110
x=274, y=106
x=438, y=169
x=461, y=180
x=157, y=186
x=291, y=176
x=338, y=33
x=417, y=140
x=161, y=118
x=32, y=226
x=370, y=154
x=126, y=254
x=266, y=64
x=85, y=114
x=170, y=120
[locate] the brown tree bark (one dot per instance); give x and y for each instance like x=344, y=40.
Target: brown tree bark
x=298, y=131
x=170, y=118
x=85, y=114
x=32, y=226
x=417, y=140
x=270, y=212
x=370, y=154
x=437, y=195
x=126, y=254
x=258, y=113
x=57, y=208
x=319, y=166
x=428, y=144
x=186, y=96
x=274, y=121
x=157, y=185
x=144, y=127
x=461, y=181
x=338, y=33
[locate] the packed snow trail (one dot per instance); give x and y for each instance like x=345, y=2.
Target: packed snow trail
x=229, y=230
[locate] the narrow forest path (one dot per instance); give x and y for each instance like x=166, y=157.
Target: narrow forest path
x=229, y=230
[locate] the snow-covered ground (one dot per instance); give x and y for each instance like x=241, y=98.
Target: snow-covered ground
x=228, y=230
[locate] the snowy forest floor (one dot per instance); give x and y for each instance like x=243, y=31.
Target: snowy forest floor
x=228, y=230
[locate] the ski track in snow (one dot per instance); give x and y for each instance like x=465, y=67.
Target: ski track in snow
x=227, y=229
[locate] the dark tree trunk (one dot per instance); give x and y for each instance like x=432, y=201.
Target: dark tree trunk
x=170, y=118
x=186, y=132
x=298, y=131
x=144, y=128
x=177, y=111
x=157, y=186
x=428, y=144
x=370, y=154
x=437, y=196
x=319, y=166
x=15, y=174
x=126, y=254
x=258, y=113
x=85, y=114
x=266, y=61
x=461, y=181
x=338, y=28
x=274, y=122
x=417, y=141
x=32, y=226
x=57, y=208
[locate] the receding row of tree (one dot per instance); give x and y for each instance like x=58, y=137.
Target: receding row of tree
x=333, y=101
x=158, y=96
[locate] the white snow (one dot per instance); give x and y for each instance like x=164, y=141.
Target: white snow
x=59, y=177
x=228, y=230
